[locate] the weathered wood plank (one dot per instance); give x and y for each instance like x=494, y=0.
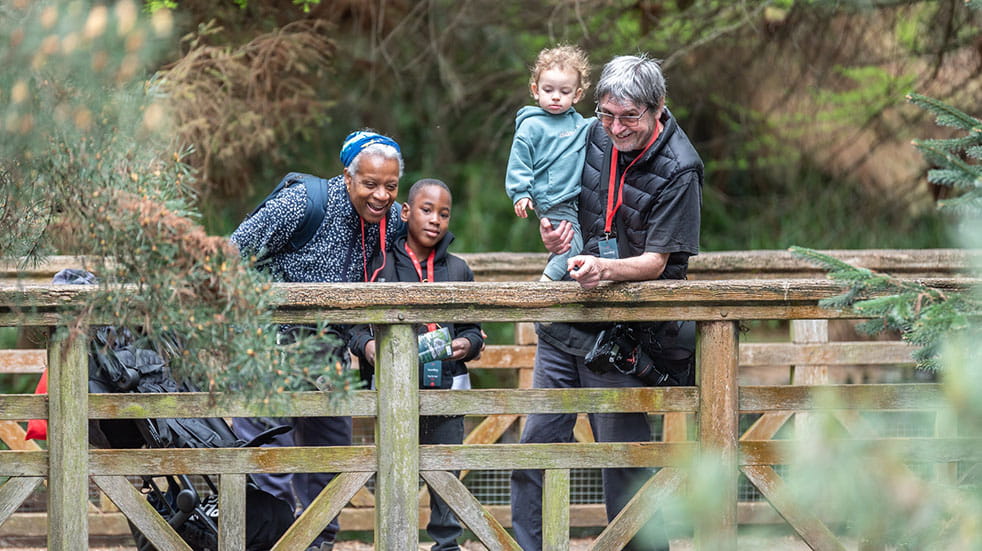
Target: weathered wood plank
x=582, y=431
x=808, y=332
x=197, y=404
x=766, y=426
x=555, y=510
x=523, y=356
x=322, y=510
x=782, y=264
x=556, y=456
x=232, y=512
x=497, y=356
x=21, y=407
x=946, y=426
x=14, y=436
x=363, y=403
x=479, y=520
x=397, y=438
x=535, y=301
x=510, y=266
x=231, y=460
x=675, y=427
x=816, y=534
x=23, y=361
x=490, y=429
x=68, y=484
x=832, y=353
x=136, y=508
x=911, y=396
x=352, y=518
x=13, y=492
x=555, y=400
x=23, y=463
x=719, y=429
x=639, y=509
x=911, y=450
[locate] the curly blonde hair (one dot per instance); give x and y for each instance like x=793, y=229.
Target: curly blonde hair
x=564, y=57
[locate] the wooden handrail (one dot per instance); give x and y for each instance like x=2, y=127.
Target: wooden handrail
x=718, y=304
x=760, y=264
x=396, y=303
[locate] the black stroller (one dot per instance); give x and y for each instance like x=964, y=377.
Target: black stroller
x=118, y=364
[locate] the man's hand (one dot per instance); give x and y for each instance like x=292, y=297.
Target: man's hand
x=587, y=270
x=460, y=347
x=557, y=241
x=521, y=206
x=370, y=352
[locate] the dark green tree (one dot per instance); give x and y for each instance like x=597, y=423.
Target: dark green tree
x=924, y=316
x=89, y=166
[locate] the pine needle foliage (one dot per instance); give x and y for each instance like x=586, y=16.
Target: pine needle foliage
x=88, y=167
x=957, y=158
x=924, y=316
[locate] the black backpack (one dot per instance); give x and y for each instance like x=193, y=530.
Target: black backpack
x=314, y=213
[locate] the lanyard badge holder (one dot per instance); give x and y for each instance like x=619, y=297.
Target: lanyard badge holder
x=435, y=344
x=434, y=347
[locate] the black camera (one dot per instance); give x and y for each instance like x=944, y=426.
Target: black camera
x=652, y=352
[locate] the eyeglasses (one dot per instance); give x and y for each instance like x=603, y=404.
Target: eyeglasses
x=626, y=120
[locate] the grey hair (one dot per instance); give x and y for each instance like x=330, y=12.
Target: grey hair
x=632, y=77
x=377, y=149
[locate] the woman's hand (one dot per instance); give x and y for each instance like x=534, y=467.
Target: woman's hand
x=557, y=240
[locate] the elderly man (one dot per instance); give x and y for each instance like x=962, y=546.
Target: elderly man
x=639, y=213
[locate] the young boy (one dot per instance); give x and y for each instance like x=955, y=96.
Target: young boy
x=549, y=146
x=422, y=255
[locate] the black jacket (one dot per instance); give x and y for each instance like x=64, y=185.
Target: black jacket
x=660, y=212
x=399, y=268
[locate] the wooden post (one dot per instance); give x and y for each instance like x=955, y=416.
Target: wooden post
x=555, y=510
x=719, y=429
x=525, y=335
x=808, y=332
x=946, y=426
x=397, y=438
x=68, y=442
x=232, y=512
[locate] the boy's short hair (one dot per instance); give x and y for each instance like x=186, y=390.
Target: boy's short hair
x=562, y=57
x=426, y=182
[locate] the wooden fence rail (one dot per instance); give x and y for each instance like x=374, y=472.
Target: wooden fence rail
x=396, y=458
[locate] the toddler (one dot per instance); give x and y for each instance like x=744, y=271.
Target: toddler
x=549, y=146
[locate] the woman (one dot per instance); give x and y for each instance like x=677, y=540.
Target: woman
x=360, y=217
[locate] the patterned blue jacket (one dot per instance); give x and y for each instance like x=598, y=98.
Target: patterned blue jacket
x=338, y=252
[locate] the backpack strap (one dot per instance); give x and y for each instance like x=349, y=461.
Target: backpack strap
x=314, y=212
x=313, y=216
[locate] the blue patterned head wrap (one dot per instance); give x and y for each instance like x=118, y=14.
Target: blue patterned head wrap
x=356, y=142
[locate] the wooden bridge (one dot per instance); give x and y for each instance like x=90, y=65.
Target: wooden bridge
x=725, y=290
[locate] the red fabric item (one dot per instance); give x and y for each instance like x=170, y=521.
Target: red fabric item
x=37, y=429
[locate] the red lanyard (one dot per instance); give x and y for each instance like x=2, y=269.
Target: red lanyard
x=364, y=252
x=419, y=268
x=419, y=272
x=611, y=206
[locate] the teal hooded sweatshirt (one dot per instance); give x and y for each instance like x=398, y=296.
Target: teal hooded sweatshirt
x=546, y=156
